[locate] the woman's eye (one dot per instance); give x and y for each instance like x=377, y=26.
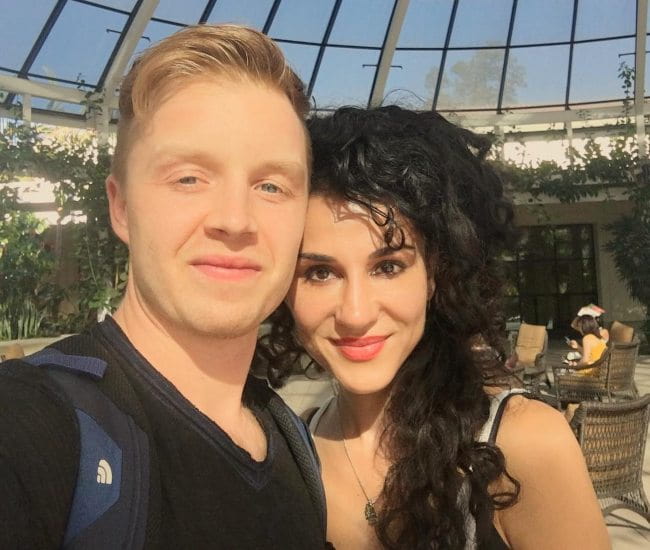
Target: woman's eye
x=319, y=274
x=388, y=268
x=188, y=180
x=268, y=187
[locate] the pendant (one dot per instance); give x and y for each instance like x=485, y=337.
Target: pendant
x=370, y=513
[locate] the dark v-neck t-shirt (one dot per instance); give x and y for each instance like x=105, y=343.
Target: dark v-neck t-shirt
x=212, y=493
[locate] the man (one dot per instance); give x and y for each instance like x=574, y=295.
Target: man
x=209, y=191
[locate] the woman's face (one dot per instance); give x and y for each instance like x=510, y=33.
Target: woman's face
x=359, y=305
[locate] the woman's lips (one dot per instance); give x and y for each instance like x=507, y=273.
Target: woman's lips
x=360, y=349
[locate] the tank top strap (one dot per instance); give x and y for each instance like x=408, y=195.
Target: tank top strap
x=315, y=419
x=497, y=406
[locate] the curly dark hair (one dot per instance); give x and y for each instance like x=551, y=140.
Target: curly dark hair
x=419, y=167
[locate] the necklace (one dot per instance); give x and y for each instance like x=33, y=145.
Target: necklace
x=369, y=510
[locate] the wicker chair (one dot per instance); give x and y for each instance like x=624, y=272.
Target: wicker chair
x=622, y=366
x=530, y=348
x=573, y=387
x=612, y=437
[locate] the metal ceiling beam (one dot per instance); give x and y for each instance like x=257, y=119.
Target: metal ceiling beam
x=387, y=52
x=41, y=89
x=38, y=43
x=639, y=74
x=521, y=118
x=131, y=36
x=52, y=119
x=323, y=46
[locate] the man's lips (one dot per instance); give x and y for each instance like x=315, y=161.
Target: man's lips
x=360, y=349
x=226, y=268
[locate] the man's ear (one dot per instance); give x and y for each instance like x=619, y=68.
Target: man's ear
x=117, y=208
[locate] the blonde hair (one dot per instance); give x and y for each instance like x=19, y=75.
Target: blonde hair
x=231, y=51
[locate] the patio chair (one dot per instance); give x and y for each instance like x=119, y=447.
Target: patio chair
x=572, y=386
x=530, y=347
x=612, y=437
x=622, y=366
x=619, y=332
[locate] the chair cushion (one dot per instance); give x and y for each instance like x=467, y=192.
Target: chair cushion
x=620, y=332
x=530, y=342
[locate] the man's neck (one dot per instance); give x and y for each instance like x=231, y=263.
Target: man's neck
x=209, y=372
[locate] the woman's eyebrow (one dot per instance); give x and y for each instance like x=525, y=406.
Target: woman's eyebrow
x=388, y=250
x=315, y=257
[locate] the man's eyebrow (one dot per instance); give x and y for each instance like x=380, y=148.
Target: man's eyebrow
x=291, y=169
x=168, y=159
x=315, y=257
x=388, y=250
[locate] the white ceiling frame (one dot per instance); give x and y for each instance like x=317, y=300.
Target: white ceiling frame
x=639, y=74
x=521, y=118
x=387, y=53
x=41, y=89
x=122, y=58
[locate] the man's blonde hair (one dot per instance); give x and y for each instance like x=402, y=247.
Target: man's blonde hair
x=201, y=51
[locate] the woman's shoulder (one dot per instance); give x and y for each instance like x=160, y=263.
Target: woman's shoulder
x=536, y=439
x=557, y=502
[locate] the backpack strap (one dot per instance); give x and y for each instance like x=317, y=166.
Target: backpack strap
x=303, y=450
x=111, y=498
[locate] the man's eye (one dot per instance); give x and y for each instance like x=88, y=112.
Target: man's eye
x=269, y=187
x=188, y=180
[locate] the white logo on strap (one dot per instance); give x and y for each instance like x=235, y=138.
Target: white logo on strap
x=104, y=473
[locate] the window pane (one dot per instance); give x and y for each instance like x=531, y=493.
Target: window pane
x=362, y=22
x=471, y=80
x=477, y=26
x=79, y=52
x=598, y=19
x=355, y=68
x=28, y=16
x=425, y=24
x=300, y=20
x=412, y=79
x=245, y=12
x=301, y=58
x=542, y=21
x=59, y=106
x=595, y=70
x=126, y=5
x=536, y=76
x=188, y=11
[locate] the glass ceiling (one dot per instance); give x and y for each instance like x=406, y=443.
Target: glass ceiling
x=491, y=56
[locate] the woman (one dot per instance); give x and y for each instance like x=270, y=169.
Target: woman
x=396, y=283
x=593, y=344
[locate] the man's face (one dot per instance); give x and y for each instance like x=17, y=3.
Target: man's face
x=213, y=207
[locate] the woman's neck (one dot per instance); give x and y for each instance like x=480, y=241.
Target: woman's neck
x=362, y=416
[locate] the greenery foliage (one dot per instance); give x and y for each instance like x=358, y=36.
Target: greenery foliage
x=79, y=166
x=30, y=298
x=592, y=171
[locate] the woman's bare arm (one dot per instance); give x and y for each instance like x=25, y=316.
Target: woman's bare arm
x=557, y=506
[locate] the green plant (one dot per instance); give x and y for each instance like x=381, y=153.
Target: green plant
x=592, y=171
x=78, y=165
x=27, y=267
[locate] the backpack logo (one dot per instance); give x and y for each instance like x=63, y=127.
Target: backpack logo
x=104, y=473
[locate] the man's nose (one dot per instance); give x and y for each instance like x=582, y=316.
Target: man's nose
x=232, y=210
